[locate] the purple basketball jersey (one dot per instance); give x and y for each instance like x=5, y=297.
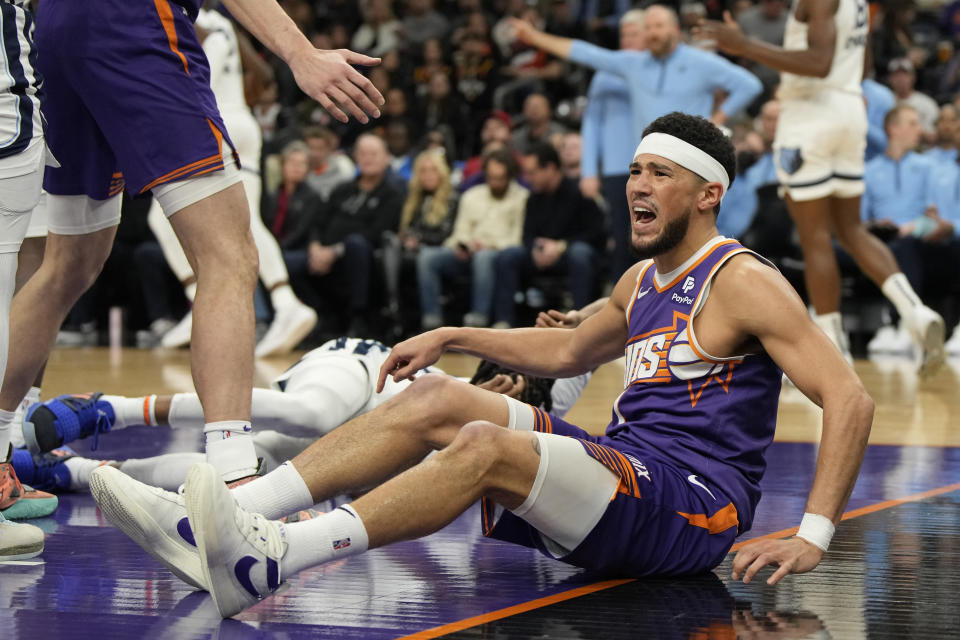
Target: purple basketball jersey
x=713, y=417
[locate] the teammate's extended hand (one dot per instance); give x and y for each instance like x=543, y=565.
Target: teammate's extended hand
x=504, y=384
x=727, y=34
x=558, y=320
x=410, y=356
x=327, y=77
x=793, y=555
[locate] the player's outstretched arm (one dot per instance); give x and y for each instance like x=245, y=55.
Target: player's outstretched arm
x=764, y=305
x=545, y=352
x=815, y=60
x=326, y=76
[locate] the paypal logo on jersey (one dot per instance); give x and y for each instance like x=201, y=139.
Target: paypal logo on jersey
x=681, y=299
x=689, y=284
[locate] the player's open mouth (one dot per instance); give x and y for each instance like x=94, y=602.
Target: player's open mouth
x=643, y=215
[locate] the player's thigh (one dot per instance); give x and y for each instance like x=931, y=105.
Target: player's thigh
x=216, y=227
x=569, y=494
x=21, y=178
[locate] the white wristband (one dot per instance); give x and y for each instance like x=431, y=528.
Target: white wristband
x=817, y=530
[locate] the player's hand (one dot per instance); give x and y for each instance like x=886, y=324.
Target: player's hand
x=327, y=77
x=522, y=30
x=502, y=383
x=793, y=555
x=410, y=356
x=559, y=320
x=727, y=34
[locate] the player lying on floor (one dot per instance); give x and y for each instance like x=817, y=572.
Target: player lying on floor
x=327, y=387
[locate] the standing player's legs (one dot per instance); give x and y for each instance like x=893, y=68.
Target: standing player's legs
x=215, y=235
x=179, y=335
x=878, y=263
x=821, y=273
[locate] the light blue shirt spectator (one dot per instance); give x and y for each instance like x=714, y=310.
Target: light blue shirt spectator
x=944, y=193
x=684, y=80
x=606, y=151
x=879, y=101
x=939, y=156
x=739, y=206
x=896, y=190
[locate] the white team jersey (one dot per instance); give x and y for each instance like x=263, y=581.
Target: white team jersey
x=371, y=354
x=20, y=119
x=846, y=71
x=223, y=53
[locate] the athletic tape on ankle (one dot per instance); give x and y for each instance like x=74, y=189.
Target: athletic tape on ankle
x=817, y=530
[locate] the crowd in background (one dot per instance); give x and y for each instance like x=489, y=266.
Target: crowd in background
x=478, y=197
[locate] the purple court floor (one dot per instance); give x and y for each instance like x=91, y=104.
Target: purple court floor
x=891, y=572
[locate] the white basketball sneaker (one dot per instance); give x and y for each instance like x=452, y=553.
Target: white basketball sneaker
x=179, y=336
x=19, y=541
x=953, y=344
x=290, y=325
x=239, y=551
x=927, y=329
x=153, y=518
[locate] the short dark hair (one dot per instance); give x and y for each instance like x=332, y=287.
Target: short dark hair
x=504, y=157
x=545, y=154
x=536, y=393
x=702, y=134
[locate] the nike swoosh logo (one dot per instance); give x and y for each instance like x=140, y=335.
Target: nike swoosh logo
x=692, y=479
x=242, y=571
x=183, y=528
x=643, y=292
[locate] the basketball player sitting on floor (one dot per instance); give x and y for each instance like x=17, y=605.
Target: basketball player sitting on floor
x=706, y=327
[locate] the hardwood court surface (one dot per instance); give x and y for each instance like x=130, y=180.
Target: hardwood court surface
x=892, y=570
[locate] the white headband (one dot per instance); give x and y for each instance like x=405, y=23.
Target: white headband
x=686, y=155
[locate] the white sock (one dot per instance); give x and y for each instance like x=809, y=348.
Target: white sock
x=330, y=536
x=275, y=495
x=832, y=325
x=80, y=470
x=897, y=289
x=282, y=297
x=230, y=448
x=167, y=471
x=16, y=428
x=190, y=291
x=133, y=411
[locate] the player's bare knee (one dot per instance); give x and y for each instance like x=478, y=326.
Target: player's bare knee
x=478, y=449
x=235, y=259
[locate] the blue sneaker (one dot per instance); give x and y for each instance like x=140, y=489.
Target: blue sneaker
x=66, y=418
x=45, y=471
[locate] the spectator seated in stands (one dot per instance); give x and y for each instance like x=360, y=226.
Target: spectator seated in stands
x=893, y=206
x=563, y=234
x=350, y=227
x=945, y=150
x=290, y=213
x=328, y=166
x=902, y=80
x=538, y=125
x=426, y=221
x=739, y=208
x=496, y=128
x=489, y=219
